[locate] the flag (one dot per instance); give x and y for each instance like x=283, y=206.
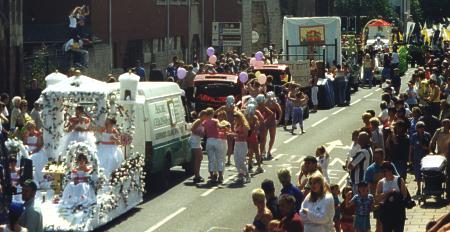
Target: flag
x=424, y=32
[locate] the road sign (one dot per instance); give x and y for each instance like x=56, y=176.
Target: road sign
x=226, y=34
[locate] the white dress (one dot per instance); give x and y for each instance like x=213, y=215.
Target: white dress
x=39, y=158
x=81, y=193
x=87, y=137
x=323, y=162
x=110, y=155
x=320, y=214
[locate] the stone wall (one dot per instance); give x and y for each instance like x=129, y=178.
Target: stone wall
x=99, y=61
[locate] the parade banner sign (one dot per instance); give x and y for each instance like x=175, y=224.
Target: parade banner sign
x=300, y=73
x=312, y=34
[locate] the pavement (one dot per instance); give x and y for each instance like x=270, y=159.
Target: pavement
x=187, y=207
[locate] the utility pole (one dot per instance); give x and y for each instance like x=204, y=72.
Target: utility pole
x=110, y=34
x=168, y=29
x=188, y=56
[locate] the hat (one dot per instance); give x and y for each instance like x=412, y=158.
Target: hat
x=30, y=184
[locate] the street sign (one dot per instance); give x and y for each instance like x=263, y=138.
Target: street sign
x=226, y=34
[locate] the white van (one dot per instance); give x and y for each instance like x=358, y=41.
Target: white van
x=162, y=132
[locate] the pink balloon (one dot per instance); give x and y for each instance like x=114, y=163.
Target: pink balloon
x=243, y=77
x=181, y=73
x=252, y=61
x=212, y=59
x=259, y=56
x=210, y=51
x=262, y=79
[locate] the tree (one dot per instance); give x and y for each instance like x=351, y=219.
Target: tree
x=372, y=9
x=434, y=10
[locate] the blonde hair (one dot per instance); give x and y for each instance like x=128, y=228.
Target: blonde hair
x=258, y=195
x=284, y=175
x=209, y=111
x=243, y=119
x=374, y=121
x=16, y=101
x=324, y=188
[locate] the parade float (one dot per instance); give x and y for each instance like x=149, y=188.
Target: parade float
x=377, y=33
x=71, y=201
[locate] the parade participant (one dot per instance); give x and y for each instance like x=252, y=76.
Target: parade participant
x=314, y=87
x=271, y=199
x=299, y=102
x=291, y=220
x=214, y=147
x=33, y=139
x=110, y=155
x=263, y=214
x=440, y=142
x=252, y=86
x=273, y=122
x=78, y=130
x=15, y=120
x=289, y=89
x=252, y=140
x=368, y=70
x=318, y=207
x=31, y=218
x=434, y=98
x=241, y=129
x=198, y=132
x=397, y=147
x=396, y=81
x=391, y=192
x=363, y=202
x=347, y=211
x=308, y=169
x=284, y=176
x=360, y=161
x=229, y=109
x=268, y=115
x=323, y=158
x=418, y=148
x=14, y=213
x=337, y=205
x=78, y=192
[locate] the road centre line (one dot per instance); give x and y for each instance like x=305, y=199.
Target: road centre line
x=368, y=95
x=378, y=89
x=278, y=156
x=337, y=112
x=168, y=218
x=292, y=138
x=209, y=191
x=273, y=150
x=355, y=102
x=318, y=122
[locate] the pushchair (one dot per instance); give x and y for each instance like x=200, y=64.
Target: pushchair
x=434, y=175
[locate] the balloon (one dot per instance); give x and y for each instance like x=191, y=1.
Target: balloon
x=210, y=51
x=213, y=59
x=257, y=74
x=181, y=73
x=243, y=77
x=262, y=79
x=259, y=56
x=259, y=64
x=252, y=61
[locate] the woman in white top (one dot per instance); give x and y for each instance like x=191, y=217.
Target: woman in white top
x=110, y=155
x=323, y=158
x=317, y=210
x=391, y=192
x=33, y=139
x=195, y=142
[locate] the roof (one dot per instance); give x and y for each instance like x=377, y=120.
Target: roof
x=78, y=84
x=218, y=77
x=153, y=89
x=280, y=67
x=379, y=23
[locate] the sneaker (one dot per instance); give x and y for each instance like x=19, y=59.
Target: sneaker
x=220, y=180
x=198, y=179
x=303, y=131
x=250, y=167
x=259, y=170
x=269, y=156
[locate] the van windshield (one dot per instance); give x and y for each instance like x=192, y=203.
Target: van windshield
x=278, y=75
x=214, y=94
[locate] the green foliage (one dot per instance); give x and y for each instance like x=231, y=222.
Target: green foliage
x=404, y=59
x=416, y=11
x=41, y=66
x=434, y=10
x=372, y=9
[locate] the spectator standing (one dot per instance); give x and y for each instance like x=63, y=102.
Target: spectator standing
x=363, y=202
x=139, y=70
x=397, y=147
x=3, y=120
x=188, y=86
x=337, y=205
x=412, y=95
x=419, y=144
x=314, y=86
x=291, y=220
x=308, y=169
x=15, y=113
x=171, y=70
x=441, y=139
x=318, y=207
x=271, y=199
x=32, y=94
x=263, y=214
x=434, y=98
x=432, y=123
x=155, y=73
x=31, y=218
x=376, y=134
x=284, y=176
x=360, y=161
x=15, y=211
x=347, y=211
x=4, y=97
x=35, y=114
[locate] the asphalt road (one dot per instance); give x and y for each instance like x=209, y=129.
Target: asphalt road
x=187, y=207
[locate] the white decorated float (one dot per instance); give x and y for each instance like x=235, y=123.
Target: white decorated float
x=74, y=171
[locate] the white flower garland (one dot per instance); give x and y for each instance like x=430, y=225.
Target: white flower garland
x=16, y=146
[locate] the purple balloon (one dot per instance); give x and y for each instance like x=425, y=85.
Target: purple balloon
x=243, y=77
x=210, y=51
x=181, y=73
x=259, y=56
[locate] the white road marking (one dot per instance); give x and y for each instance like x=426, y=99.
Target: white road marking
x=337, y=112
x=368, y=95
x=209, y=191
x=292, y=138
x=292, y=157
x=273, y=150
x=299, y=160
x=355, y=102
x=320, y=121
x=278, y=156
x=218, y=228
x=337, y=160
x=378, y=89
x=333, y=144
x=168, y=218
x=342, y=180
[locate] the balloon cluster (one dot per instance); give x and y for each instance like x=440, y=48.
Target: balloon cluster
x=212, y=58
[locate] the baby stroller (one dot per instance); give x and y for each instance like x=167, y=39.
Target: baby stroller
x=434, y=175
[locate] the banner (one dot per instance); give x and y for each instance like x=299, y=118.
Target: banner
x=300, y=72
x=312, y=34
